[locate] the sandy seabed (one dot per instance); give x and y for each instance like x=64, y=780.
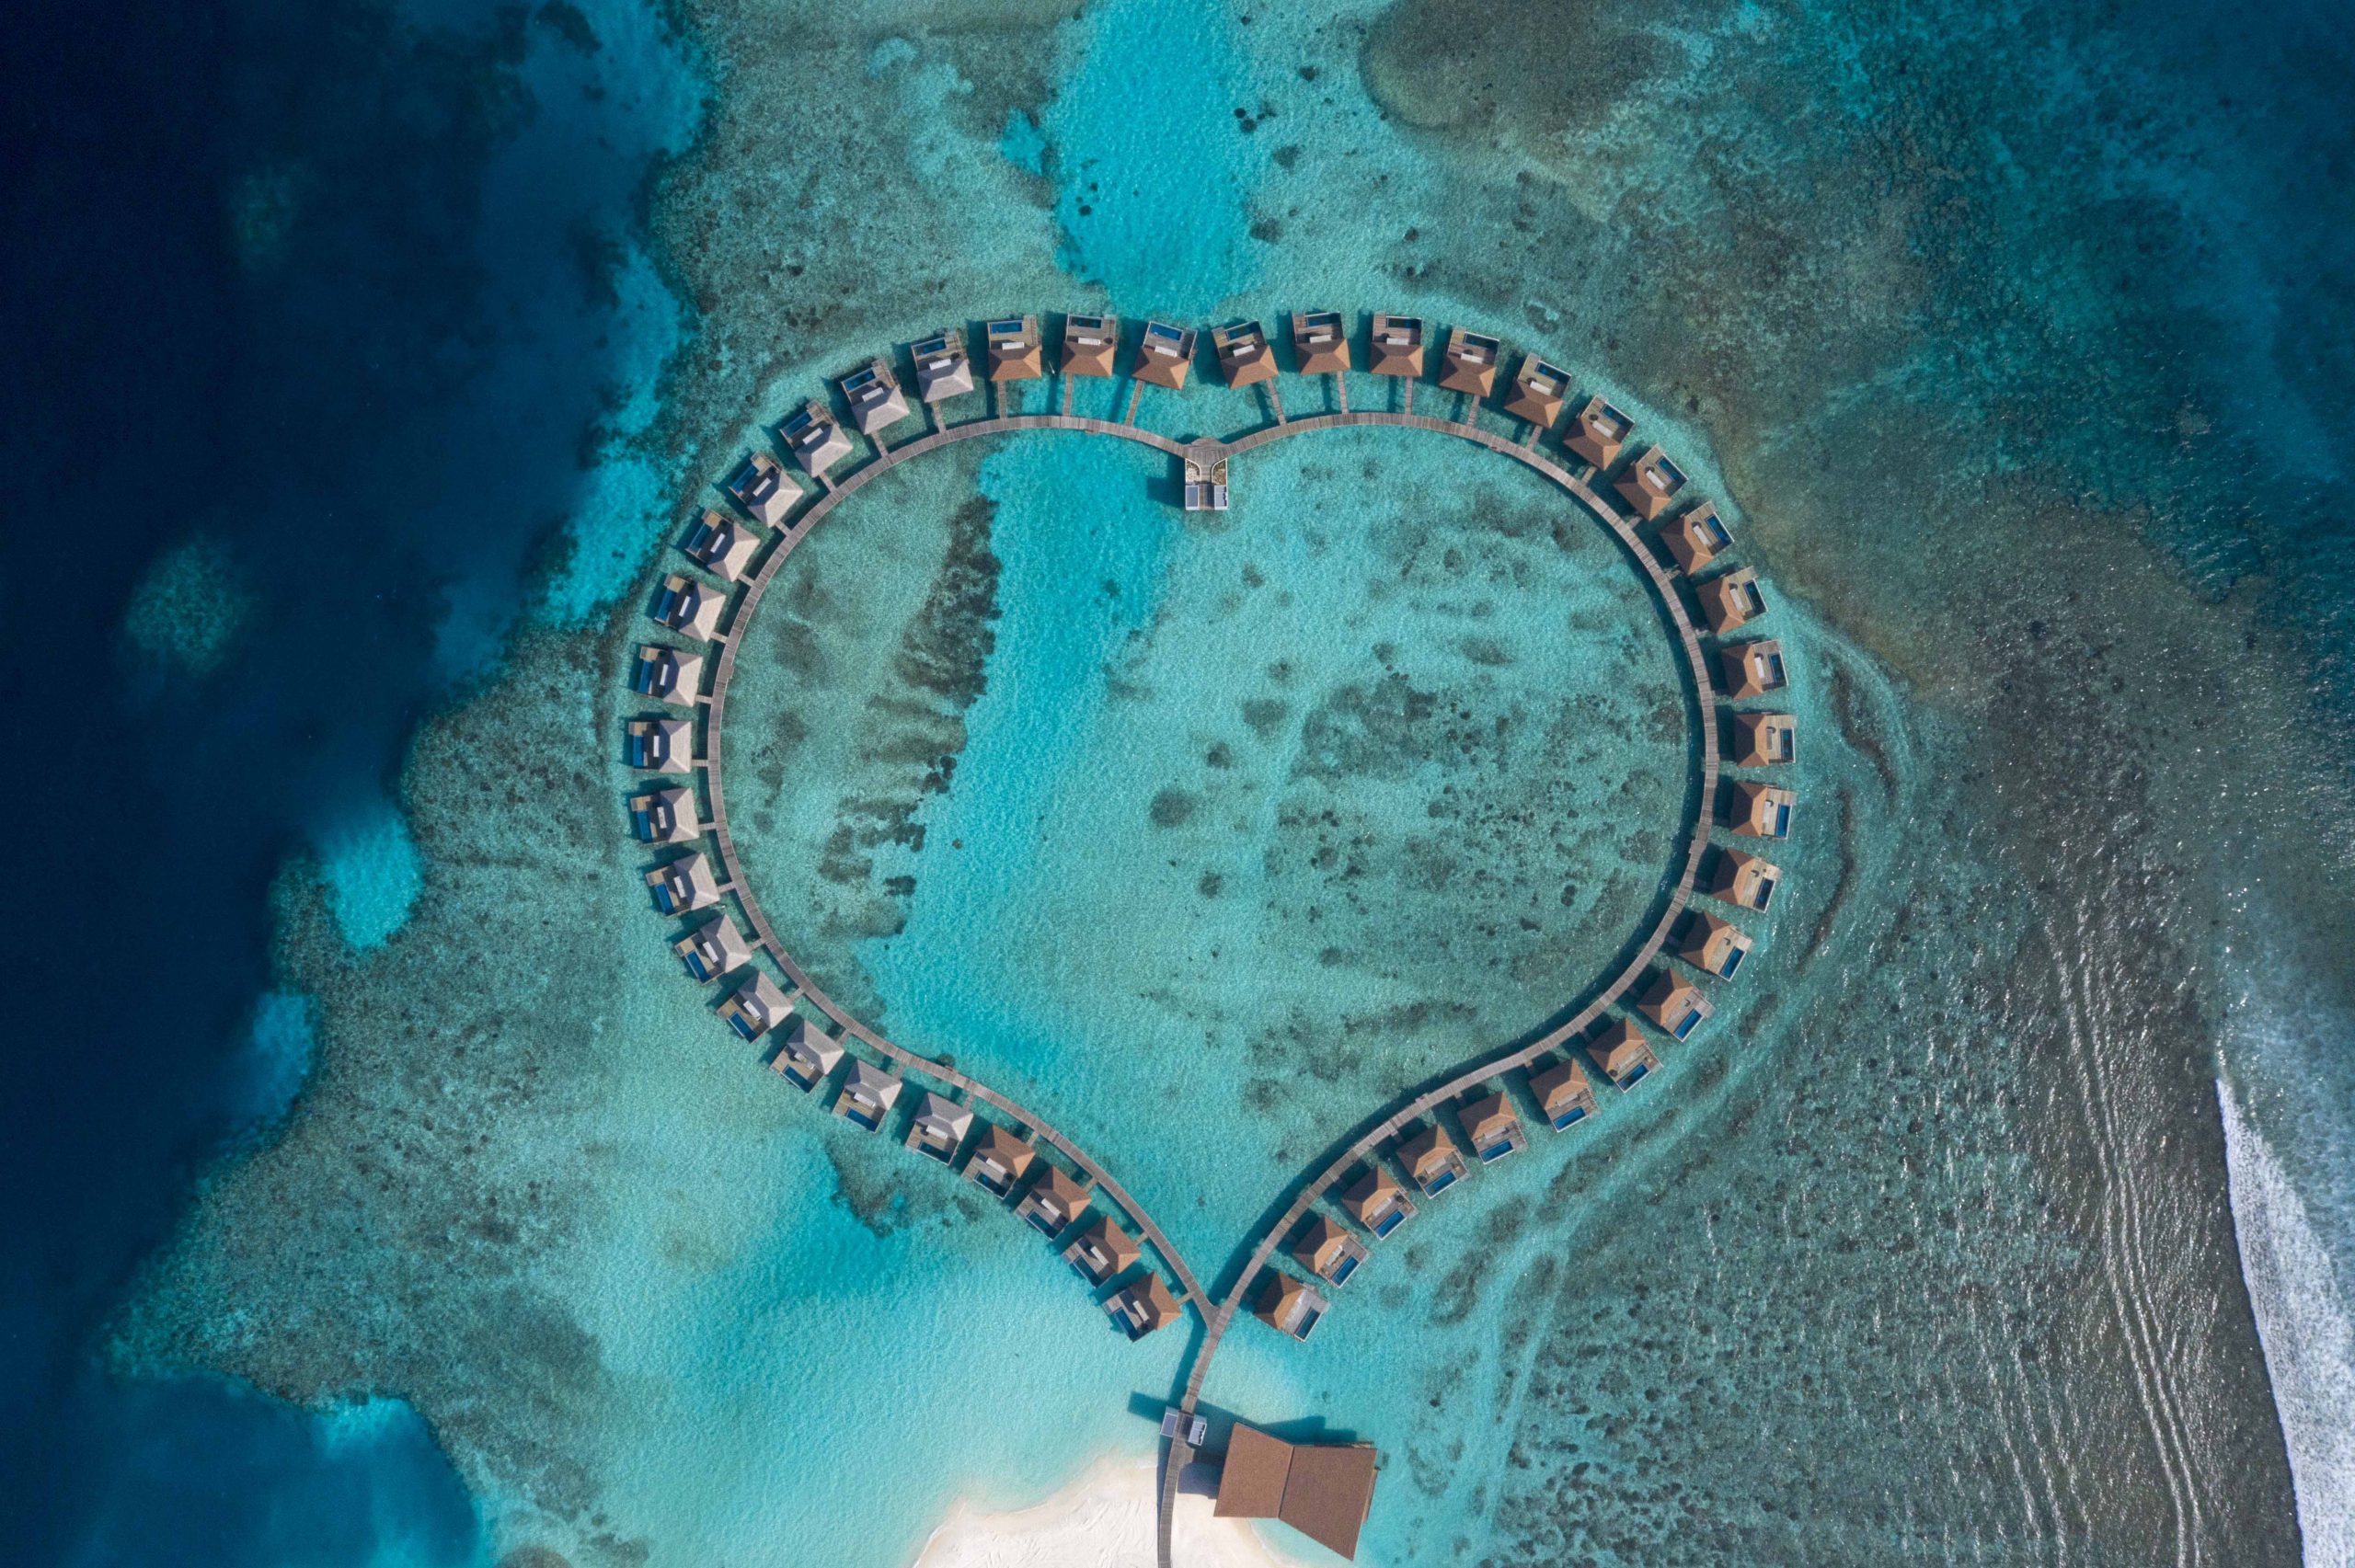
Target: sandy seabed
x=1105, y=1520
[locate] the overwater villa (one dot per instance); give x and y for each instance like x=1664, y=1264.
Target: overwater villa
x=682, y=884
x=807, y=1056
x=1753, y=669
x=1000, y=1159
x=1328, y=1251
x=1674, y=1003
x=713, y=949
x=1100, y=1250
x=1730, y=599
x=1397, y=344
x=1055, y=1199
x=659, y=744
x=1696, y=536
x=665, y=816
x=1432, y=1160
x=1597, y=431
x=690, y=606
x=1164, y=355
x=1563, y=1094
x=1650, y=485
x=1320, y=342
x=938, y=1129
x=1323, y=1490
x=1490, y=1123
x=1143, y=1305
x=1468, y=363
x=816, y=441
x=756, y=1006
x=1741, y=877
x=762, y=486
x=943, y=370
x=1292, y=1305
x=1091, y=345
x=1378, y=1203
x=1761, y=810
x=874, y=397
x=1539, y=390
x=721, y=545
x=667, y=674
x=1205, y=483
x=1018, y=350
x=866, y=1095
x=1622, y=1053
x=1711, y=945
x=1762, y=740
x=1244, y=357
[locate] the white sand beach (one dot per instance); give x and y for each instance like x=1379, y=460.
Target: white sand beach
x=1105, y=1520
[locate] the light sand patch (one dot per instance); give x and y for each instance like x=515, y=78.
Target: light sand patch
x=1105, y=1520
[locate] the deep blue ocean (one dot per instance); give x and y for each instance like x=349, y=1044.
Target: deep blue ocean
x=369, y=338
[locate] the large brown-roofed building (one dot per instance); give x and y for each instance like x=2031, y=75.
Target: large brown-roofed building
x=1622, y=1053
x=1285, y=1303
x=1018, y=350
x=805, y=1057
x=1730, y=599
x=1164, y=355
x=874, y=397
x=816, y=441
x=1244, y=357
x=668, y=675
x=1320, y=342
x=1091, y=345
x=1143, y=1305
x=721, y=545
x=1597, y=431
x=1712, y=944
x=1674, y=1003
x=665, y=816
x=713, y=949
x=1100, y=1250
x=1468, y=363
x=1432, y=1157
x=1323, y=1490
x=867, y=1095
x=937, y=1129
x=1055, y=1199
x=1761, y=810
x=1562, y=1091
x=943, y=369
x=1762, y=740
x=1376, y=1202
x=762, y=486
x=757, y=1005
x=999, y=1160
x=1396, y=342
x=1753, y=669
x=682, y=885
x=1694, y=536
x=1328, y=1251
x=1539, y=390
x=1490, y=1123
x=1741, y=877
x=1650, y=485
x=690, y=606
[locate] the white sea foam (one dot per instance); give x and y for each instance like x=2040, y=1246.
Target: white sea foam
x=2307, y=1332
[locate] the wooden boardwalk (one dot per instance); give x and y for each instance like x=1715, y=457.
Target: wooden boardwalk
x=1219, y=1315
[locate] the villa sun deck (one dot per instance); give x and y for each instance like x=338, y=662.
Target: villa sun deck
x=1016, y=349
x=1730, y=599
x=1762, y=739
x=1055, y=1199
x=1673, y=1004
x=690, y=606
x=1143, y=1305
x=762, y=486
x=1563, y=1094
x=1650, y=485
x=1597, y=432
x=1396, y=342
x=668, y=674
x=682, y=885
x=757, y=1005
x=1320, y=342
x=867, y=1095
x=1099, y=1250
x=1539, y=391
x=1712, y=944
x=1743, y=879
x=713, y=949
x=1292, y=1305
x=1696, y=536
x=937, y=1129
x=720, y=544
x=1244, y=357
x=874, y=397
x=943, y=368
x=1377, y=1202
x=1468, y=363
x=665, y=816
x=1493, y=1129
x=659, y=744
x=1622, y=1054
x=999, y=1160
x=1164, y=355
x=1091, y=346
x=807, y=1056
x=1328, y=1251
x=1432, y=1160
x=1753, y=669
x=1761, y=810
